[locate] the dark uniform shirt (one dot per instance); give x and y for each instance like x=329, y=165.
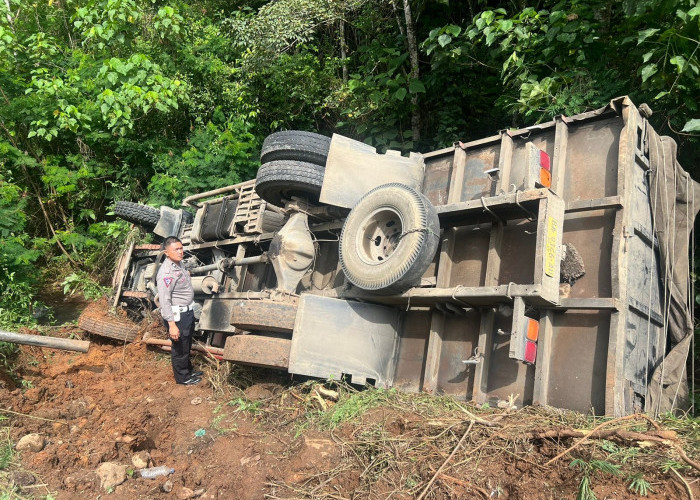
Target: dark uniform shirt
x=174, y=288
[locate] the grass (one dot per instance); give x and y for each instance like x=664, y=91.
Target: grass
x=395, y=442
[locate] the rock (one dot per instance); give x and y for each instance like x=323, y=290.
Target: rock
x=23, y=478
x=247, y=460
x=199, y=492
x=262, y=391
x=196, y=401
x=324, y=447
x=141, y=459
x=111, y=475
x=167, y=486
x=184, y=493
x=31, y=442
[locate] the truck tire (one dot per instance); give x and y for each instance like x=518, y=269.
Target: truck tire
x=295, y=145
x=96, y=321
x=281, y=179
x=143, y=215
x=187, y=217
x=389, y=239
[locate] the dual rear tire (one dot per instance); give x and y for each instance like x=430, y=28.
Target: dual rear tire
x=293, y=164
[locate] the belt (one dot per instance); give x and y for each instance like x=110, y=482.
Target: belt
x=183, y=309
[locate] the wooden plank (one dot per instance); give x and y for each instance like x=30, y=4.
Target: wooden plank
x=597, y=204
x=459, y=164
x=505, y=162
x=615, y=385
x=550, y=229
x=444, y=272
x=266, y=315
x=481, y=370
x=540, y=394
x=122, y=271
x=561, y=142
x=258, y=350
x=504, y=204
x=598, y=303
x=437, y=322
x=240, y=271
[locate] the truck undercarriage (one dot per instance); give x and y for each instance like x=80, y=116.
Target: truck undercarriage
x=547, y=264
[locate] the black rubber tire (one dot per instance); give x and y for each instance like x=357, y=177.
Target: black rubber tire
x=389, y=239
x=143, y=215
x=97, y=322
x=187, y=217
x=281, y=179
x=296, y=145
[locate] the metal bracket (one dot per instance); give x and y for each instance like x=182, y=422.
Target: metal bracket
x=292, y=252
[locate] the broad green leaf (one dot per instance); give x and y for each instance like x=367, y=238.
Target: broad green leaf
x=643, y=35
x=506, y=25
x=453, y=30
x=416, y=86
x=400, y=94
x=692, y=126
x=444, y=39
x=679, y=61
x=566, y=37
x=648, y=71
x=695, y=11
x=647, y=56
x=661, y=94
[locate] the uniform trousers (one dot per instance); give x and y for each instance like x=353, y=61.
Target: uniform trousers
x=180, y=351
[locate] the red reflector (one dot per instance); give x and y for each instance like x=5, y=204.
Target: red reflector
x=530, y=352
x=533, y=330
x=544, y=161
x=545, y=178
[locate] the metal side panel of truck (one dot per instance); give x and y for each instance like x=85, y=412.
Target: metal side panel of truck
x=561, y=275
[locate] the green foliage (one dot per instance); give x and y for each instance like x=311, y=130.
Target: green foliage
x=589, y=469
x=352, y=404
x=6, y=452
x=639, y=486
x=245, y=405
x=8, y=353
x=571, y=56
x=81, y=282
x=218, y=155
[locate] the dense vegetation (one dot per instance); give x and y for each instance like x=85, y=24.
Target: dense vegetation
x=104, y=100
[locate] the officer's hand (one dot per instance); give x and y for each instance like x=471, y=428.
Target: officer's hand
x=174, y=332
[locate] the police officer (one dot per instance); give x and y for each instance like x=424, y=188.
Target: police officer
x=177, y=308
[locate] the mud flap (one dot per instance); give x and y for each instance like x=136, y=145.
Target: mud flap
x=334, y=337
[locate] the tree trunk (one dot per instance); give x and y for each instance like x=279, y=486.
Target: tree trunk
x=41, y=341
x=415, y=71
x=343, y=51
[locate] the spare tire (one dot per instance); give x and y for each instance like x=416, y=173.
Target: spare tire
x=389, y=239
x=295, y=145
x=143, y=215
x=281, y=179
x=97, y=321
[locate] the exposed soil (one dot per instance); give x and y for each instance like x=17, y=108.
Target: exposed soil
x=246, y=434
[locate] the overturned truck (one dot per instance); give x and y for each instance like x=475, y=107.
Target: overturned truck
x=547, y=264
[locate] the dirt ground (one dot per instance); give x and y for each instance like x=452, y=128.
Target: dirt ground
x=255, y=434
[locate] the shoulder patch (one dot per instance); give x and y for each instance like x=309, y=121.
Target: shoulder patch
x=167, y=280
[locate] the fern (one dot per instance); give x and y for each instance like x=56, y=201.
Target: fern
x=639, y=486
